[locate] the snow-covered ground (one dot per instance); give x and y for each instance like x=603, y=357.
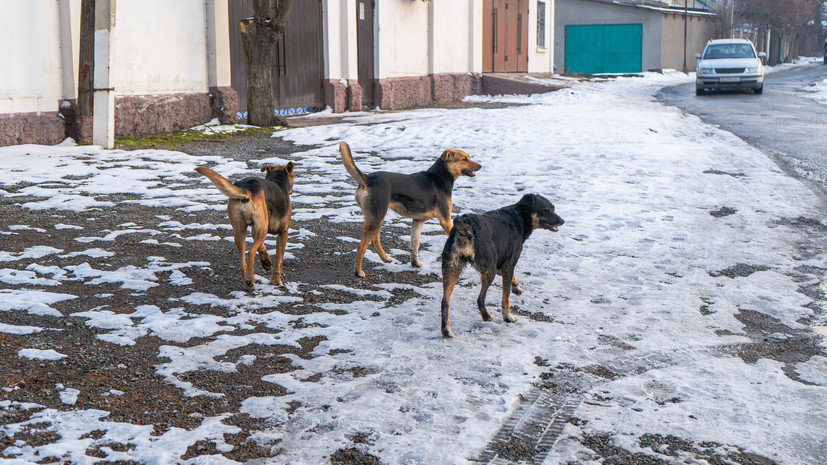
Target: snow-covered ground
x=643, y=284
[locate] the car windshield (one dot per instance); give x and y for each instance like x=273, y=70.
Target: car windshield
x=728, y=51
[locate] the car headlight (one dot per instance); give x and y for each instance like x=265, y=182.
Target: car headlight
x=706, y=71
x=753, y=70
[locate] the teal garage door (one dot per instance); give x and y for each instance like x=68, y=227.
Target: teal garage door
x=604, y=48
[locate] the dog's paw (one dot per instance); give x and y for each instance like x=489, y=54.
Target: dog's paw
x=359, y=273
x=267, y=266
x=249, y=286
x=447, y=333
x=416, y=263
x=516, y=290
x=509, y=318
x=386, y=258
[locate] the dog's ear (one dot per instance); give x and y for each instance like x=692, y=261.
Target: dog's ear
x=449, y=155
x=266, y=168
x=529, y=200
x=289, y=167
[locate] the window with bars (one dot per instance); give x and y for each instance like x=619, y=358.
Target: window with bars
x=541, y=24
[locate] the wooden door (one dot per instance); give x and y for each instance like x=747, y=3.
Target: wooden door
x=505, y=36
x=298, y=66
x=364, y=45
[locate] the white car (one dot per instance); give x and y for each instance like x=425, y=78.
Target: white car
x=728, y=64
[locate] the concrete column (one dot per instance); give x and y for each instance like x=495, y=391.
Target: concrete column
x=551, y=7
x=350, y=52
x=218, y=43
x=67, y=62
x=103, y=123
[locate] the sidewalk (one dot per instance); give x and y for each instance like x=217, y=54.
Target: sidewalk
x=668, y=320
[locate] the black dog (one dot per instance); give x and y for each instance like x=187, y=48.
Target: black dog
x=492, y=243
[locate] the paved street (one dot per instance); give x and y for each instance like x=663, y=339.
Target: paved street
x=783, y=121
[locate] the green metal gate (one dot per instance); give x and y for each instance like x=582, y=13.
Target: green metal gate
x=604, y=48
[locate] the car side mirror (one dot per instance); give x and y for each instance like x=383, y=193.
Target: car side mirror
x=762, y=55
x=697, y=56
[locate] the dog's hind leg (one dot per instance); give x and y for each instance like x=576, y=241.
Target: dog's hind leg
x=416, y=230
x=371, y=235
x=485, y=280
x=377, y=246
x=508, y=274
x=450, y=276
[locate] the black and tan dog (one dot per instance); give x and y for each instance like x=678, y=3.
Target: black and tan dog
x=263, y=205
x=419, y=196
x=492, y=243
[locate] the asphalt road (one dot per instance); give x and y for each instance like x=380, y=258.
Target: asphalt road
x=783, y=121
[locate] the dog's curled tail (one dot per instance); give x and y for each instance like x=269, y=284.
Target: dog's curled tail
x=225, y=186
x=347, y=160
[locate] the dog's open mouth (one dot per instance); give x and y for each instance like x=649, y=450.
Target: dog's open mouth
x=553, y=228
x=469, y=173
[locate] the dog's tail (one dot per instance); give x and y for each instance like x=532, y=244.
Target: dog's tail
x=459, y=247
x=226, y=187
x=347, y=160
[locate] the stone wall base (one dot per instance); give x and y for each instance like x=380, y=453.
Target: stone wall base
x=408, y=92
x=342, y=96
x=157, y=114
x=134, y=116
x=31, y=128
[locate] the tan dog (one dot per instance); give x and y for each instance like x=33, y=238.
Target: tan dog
x=419, y=196
x=264, y=205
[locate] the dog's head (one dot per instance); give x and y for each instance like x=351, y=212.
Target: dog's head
x=278, y=171
x=541, y=212
x=459, y=163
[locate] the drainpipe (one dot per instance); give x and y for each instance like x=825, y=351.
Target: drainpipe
x=103, y=122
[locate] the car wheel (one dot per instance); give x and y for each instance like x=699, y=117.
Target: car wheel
x=699, y=91
x=758, y=90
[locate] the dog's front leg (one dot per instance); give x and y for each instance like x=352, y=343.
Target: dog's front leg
x=416, y=230
x=508, y=274
x=264, y=258
x=281, y=244
x=259, y=235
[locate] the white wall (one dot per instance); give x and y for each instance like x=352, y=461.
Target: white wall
x=31, y=71
x=159, y=47
x=402, y=39
x=452, y=39
x=540, y=58
x=340, y=53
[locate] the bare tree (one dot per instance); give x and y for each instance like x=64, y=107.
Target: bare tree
x=798, y=20
x=259, y=35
